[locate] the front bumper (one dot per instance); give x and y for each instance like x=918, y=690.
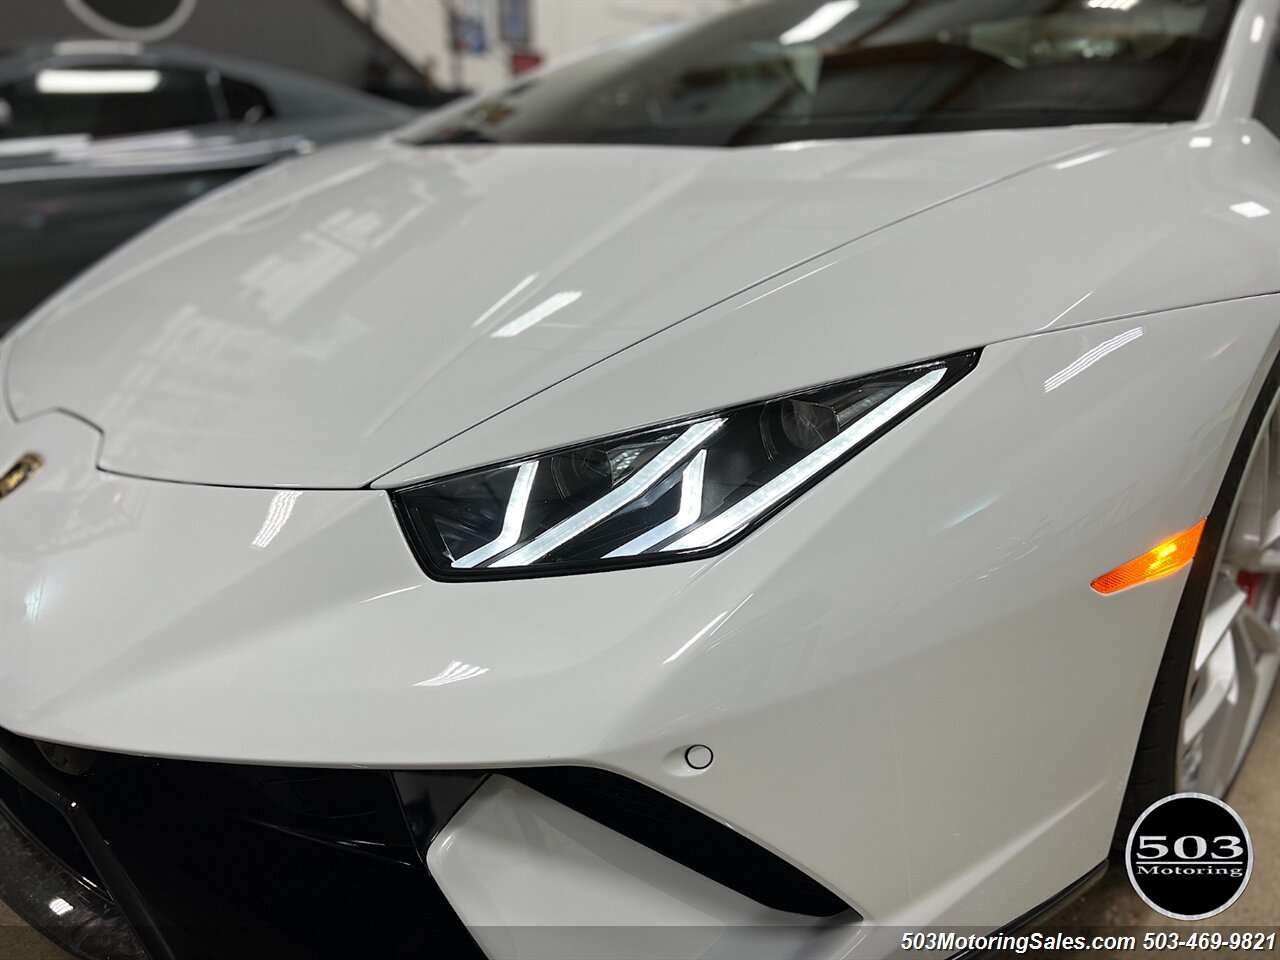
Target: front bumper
x=70, y=909
x=140, y=858
x=120, y=857
x=911, y=693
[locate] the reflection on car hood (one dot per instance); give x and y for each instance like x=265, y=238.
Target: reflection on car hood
x=155, y=154
x=330, y=318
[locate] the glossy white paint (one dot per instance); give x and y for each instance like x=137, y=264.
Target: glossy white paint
x=1235, y=85
x=152, y=617
x=532, y=878
x=909, y=655
x=1137, y=228
x=341, y=340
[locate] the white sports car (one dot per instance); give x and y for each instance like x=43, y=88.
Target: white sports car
x=771, y=484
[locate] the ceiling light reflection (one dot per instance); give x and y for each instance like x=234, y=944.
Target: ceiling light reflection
x=1076, y=161
x=277, y=514
x=553, y=303
x=819, y=22
x=1068, y=310
x=971, y=511
x=455, y=671
x=391, y=593
x=1083, y=363
x=715, y=622
x=33, y=600
x=97, y=81
x=504, y=299
x=1250, y=209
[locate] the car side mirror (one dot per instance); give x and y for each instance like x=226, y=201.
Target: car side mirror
x=6, y=114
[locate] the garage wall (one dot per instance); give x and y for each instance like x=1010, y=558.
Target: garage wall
x=336, y=39
x=418, y=29
x=318, y=37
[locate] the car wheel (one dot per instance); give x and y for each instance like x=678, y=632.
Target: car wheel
x=1221, y=661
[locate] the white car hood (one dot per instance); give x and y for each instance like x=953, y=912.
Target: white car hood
x=327, y=320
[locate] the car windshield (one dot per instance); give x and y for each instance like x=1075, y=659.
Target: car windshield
x=811, y=69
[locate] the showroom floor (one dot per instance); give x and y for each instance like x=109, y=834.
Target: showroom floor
x=1256, y=796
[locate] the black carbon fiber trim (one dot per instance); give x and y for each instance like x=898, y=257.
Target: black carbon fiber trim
x=207, y=861
x=76, y=916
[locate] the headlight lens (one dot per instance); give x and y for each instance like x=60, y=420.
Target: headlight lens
x=660, y=494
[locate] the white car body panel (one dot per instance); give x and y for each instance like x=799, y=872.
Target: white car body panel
x=1089, y=238
x=345, y=328
x=209, y=565
x=240, y=650
x=1233, y=92
x=533, y=878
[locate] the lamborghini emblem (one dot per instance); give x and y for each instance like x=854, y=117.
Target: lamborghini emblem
x=17, y=475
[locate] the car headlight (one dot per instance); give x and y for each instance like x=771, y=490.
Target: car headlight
x=660, y=494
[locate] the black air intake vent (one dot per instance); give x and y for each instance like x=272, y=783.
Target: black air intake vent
x=219, y=861
x=686, y=836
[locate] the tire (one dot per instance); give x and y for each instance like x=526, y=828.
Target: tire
x=1154, y=773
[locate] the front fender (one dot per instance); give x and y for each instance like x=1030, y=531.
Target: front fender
x=909, y=687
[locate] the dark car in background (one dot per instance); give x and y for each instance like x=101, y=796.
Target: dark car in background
x=99, y=139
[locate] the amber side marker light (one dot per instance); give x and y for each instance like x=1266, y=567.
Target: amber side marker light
x=1172, y=555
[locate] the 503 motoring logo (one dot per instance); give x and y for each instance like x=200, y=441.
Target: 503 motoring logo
x=1189, y=856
